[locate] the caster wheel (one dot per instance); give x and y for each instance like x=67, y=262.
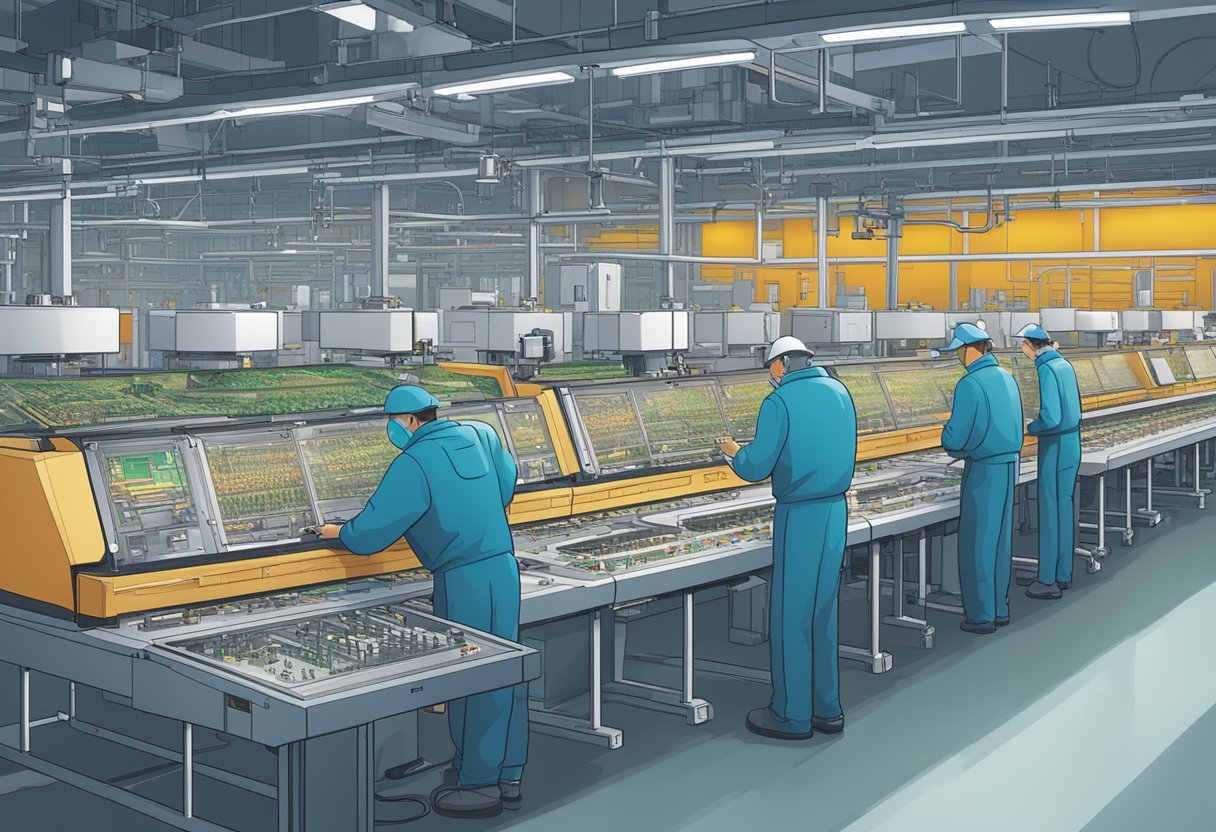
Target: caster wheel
x=928, y=638
x=1128, y=538
x=1094, y=567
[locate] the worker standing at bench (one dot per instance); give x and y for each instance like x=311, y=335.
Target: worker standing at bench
x=1058, y=429
x=447, y=492
x=985, y=430
x=806, y=440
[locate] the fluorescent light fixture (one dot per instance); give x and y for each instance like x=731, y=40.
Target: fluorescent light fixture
x=1062, y=21
x=512, y=82
x=920, y=30
x=295, y=107
x=694, y=62
x=238, y=173
x=354, y=13
x=289, y=251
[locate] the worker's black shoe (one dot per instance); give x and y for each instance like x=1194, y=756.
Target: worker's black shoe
x=761, y=721
x=1042, y=591
x=828, y=726
x=482, y=802
x=1001, y=621
x=979, y=627
x=1064, y=584
x=512, y=798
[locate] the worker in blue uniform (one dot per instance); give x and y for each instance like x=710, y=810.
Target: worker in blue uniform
x=1058, y=430
x=985, y=431
x=806, y=440
x=447, y=492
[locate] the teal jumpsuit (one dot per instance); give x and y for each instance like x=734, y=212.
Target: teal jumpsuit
x=985, y=430
x=1058, y=429
x=806, y=440
x=446, y=492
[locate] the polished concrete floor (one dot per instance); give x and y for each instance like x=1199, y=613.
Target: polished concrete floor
x=1094, y=713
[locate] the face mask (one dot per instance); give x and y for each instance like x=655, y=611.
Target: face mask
x=775, y=382
x=398, y=433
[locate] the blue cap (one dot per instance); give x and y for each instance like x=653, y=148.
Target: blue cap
x=1033, y=331
x=965, y=334
x=408, y=398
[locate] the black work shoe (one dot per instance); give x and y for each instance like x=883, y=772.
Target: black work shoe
x=761, y=721
x=1001, y=621
x=979, y=627
x=1064, y=584
x=482, y=802
x=512, y=798
x=828, y=726
x=1042, y=591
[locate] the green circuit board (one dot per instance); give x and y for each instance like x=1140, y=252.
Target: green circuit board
x=48, y=403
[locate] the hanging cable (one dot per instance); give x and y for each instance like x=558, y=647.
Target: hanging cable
x=1089, y=61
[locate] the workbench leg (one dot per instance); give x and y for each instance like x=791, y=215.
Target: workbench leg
x=899, y=617
x=1102, y=550
x=873, y=658
x=1146, y=512
x=592, y=730
x=187, y=770
x=665, y=700
x=1129, y=533
x=24, y=742
x=290, y=787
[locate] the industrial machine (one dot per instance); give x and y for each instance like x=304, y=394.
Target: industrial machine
x=44, y=339
x=831, y=332
x=212, y=339
x=732, y=340
x=648, y=342
x=491, y=335
x=395, y=335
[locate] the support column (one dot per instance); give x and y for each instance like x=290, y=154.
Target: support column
x=536, y=199
x=380, y=240
x=61, y=245
x=893, y=232
x=821, y=249
x=667, y=225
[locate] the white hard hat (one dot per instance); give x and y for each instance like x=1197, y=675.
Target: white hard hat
x=786, y=345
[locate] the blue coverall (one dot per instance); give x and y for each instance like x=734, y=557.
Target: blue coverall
x=985, y=430
x=1059, y=431
x=446, y=493
x=806, y=440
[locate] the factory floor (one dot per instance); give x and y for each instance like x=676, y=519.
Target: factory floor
x=1093, y=713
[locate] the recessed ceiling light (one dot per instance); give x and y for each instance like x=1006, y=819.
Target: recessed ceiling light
x=511, y=82
x=693, y=62
x=922, y=30
x=1062, y=21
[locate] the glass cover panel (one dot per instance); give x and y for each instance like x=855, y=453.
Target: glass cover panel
x=346, y=464
x=1027, y=377
x=152, y=505
x=613, y=428
x=741, y=399
x=1114, y=373
x=259, y=487
x=1087, y=376
x=681, y=421
x=873, y=411
x=486, y=414
x=917, y=398
x=1203, y=361
x=533, y=446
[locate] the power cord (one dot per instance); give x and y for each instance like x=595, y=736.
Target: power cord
x=405, y=798
x=1152, y=77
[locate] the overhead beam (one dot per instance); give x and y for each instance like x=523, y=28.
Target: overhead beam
x=400, y=119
